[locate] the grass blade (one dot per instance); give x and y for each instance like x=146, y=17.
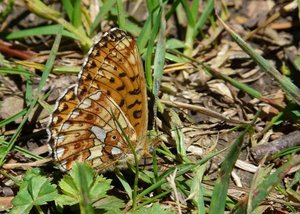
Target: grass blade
x=106, y=7
x=143, y=39
x=182, y=169
x=220, y=191
x=39, y=8
x=121, y=14
x=18, y=71
x=12, y=118
x=270, y=181
x=148, y=58
x=21, y=150
x=68, y=8
x=76, y=16
x=28, y=94
x=204, y=16
x=44, y=30
x=159, y=61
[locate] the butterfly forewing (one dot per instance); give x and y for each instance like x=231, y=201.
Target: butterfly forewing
x=114, y=66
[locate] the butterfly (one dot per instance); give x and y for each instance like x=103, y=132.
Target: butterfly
x=108, y=100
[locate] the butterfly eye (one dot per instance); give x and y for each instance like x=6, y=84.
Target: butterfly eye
x=114, y=137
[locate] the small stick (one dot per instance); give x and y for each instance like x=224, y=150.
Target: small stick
x=269, y=149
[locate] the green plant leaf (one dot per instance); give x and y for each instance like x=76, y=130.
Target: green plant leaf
x=87, y=187
x=110, y=204
x=35, y=190
x=154, y=209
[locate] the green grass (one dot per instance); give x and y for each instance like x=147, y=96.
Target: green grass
x=182, y=174
x=33, y=99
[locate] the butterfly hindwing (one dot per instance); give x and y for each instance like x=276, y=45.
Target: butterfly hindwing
x=90, y=133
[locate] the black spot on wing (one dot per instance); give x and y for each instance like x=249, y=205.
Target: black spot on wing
x=137, y=102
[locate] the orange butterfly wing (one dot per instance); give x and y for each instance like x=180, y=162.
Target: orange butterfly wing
x=111, y=87
x=87, y=131
x=114, y=66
